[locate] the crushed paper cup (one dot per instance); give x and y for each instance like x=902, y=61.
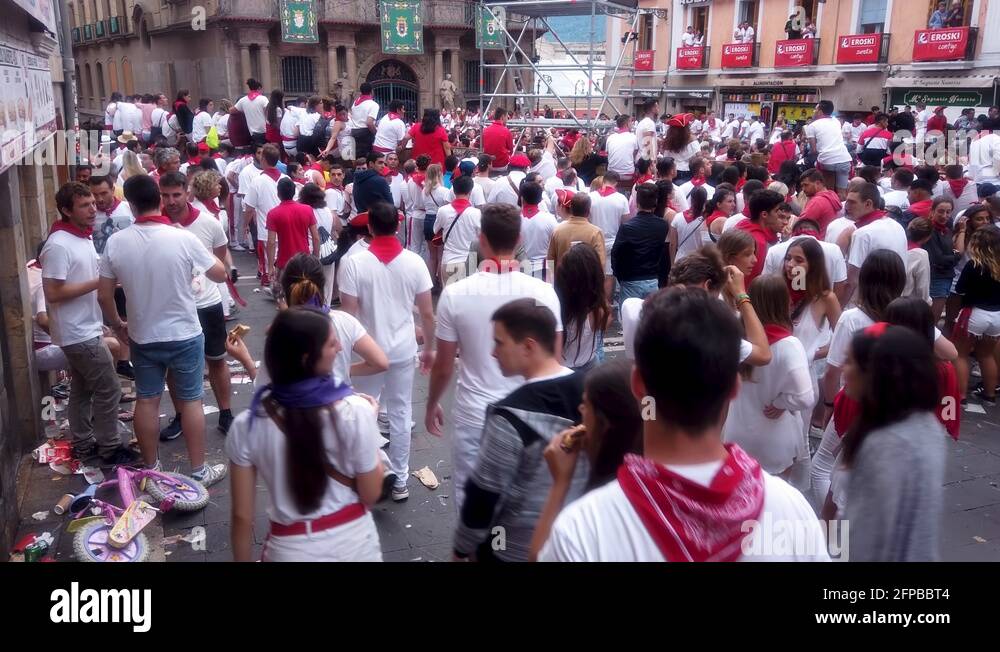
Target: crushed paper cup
x=426, y=477
x=91, y=474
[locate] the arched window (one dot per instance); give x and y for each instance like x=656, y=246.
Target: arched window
x=99, y=72
x=127, y=76
x=88, y=88
x=113, y=84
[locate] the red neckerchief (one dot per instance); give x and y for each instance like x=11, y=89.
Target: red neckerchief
x=607, y=191
x=159, y=219
x=192, y=215
x=776, y=333
x=418, y=178
x=194, y=161
x=845, y=413
x=714, y=216
x=529, y=210
x=212, y=207
x=385, y=248
x=795, y=296
x=869, y=218
x=699, y=180
x=689, y=216
x=746, y=210
x=217, y=155
x=940, y=228
x=72, y=229
x=394, y=116
x=957, y=186
x=754, y=227
x=253, y=95
x=691, y=522
x=273, y=173
x=502, y=266
x=361, y=98
x=113, y=208
x=178, y=104
x=922, y=208
x=740, y=184
x=711, y=124
x=460, y=205
x=643, y=179
x=386, y=172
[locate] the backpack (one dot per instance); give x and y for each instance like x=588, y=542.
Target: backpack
x=212, y=138
x=327, y=247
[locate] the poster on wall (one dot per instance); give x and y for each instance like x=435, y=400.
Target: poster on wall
x=27, y=104
x=402, y=29
x=298, y=21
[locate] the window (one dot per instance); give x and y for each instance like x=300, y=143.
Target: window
x=872, y=16
x=749, y=12
x=646, y=32
x=127, y=76
x=113, y=76
x=297, y=74
x=699, y=20
x=966, y=7
x=99, y=70
x=472, y=79
x=811, y=8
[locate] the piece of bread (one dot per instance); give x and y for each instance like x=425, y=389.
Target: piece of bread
x=571, y=440
x=239, y=331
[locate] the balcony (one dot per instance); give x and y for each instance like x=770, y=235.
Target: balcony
x=693, y=58
x=117, y=26
x=740, y=55
x=949, y=44
x=99, y=29
x=88, y=32
x=796, y=53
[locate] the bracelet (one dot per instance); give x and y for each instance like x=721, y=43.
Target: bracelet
x=741, y=302
x=742, y=295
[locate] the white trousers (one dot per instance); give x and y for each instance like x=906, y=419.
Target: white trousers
x=465, y=442
x=329, y=276
x=354, y=541
x=394, y=390
x=51, y=358
x=417, y=243
x=822, y=465
x=240, y=222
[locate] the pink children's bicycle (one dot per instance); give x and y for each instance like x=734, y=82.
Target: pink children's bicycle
x=114, y=534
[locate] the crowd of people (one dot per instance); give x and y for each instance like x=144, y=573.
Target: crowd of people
x=830, y=300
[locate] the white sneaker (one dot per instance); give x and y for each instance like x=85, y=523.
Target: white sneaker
x=212, y=474
x=399, y=494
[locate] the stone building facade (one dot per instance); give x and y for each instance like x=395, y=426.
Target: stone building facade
x=211, y=48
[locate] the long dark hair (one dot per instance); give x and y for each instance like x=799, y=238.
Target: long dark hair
x=913, y=313
x=719, y=196
x=677, y=139
x=900, y=379
x=276, y=102
x=699, y=200
x=431, y=121
x=302, y=280
x=882, y=279
x=292, y=350
x=579, y=284
x=619, y=421
x=817, y=280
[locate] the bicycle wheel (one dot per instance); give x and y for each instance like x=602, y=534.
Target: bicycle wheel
x=188, y=494
x=90, y=544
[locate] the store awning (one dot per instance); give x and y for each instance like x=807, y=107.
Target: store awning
x=969, y=81
x=691, y=93
x=781, y=82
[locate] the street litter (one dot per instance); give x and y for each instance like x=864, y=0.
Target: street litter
x=40, y=516
x=979, y=539
x=194, y=537
x=209, y=409
x=92, y=474
x=427, y=477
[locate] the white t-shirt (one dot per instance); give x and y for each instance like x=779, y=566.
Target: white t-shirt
x=286, y=126
x=210, y=233
x=732, y=129
x=984, y=159
x=200, y=125
x=683, y=157
x=485, y=184
x=535, y=236
x=307, y=123
x=830, y=146
x=158, y=118
x=602, y=525
x=686, y=188
x=897, y=198
x=688, y=39
x=622, y=147
x=361, y=112
x=221, y=122
x=246, y=176
x=109, y=114
x=784, y=383
x=390, y=132
x=850, y=323
x=836, y=227
x=351, y=447
x=255, y=112
x=386, y=295
x=607, y=213
x=262, y=196
x=885, y=233
x=689, y=239
x=755, y=130
x=155, y=265
x=335, y=199
x=37, y=304
x=645, y=136
x=106, y=223
x=69, y=258
x=732, y=221
x=460, y=239
x=503, y=192
x=463, y=313
x=836, y=266
x=546, y=166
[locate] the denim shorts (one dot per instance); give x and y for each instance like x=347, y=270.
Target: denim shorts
x=842, y=172
x=184, y=359
x=940, y=288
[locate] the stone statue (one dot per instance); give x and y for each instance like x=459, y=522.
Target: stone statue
x=447, y=90
x=345, y=94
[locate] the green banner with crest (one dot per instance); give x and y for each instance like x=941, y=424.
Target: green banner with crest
x=402, y=27
x=298, y=21
x=489, y=35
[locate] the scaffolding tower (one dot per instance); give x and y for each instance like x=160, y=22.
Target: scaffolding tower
x=529, y=14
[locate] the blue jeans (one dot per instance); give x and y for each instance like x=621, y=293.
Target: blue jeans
x=184, y=359
x=636, y=289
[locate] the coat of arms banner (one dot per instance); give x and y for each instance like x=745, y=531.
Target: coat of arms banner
x=298, y=21
x=402, y=27
x=489, y=36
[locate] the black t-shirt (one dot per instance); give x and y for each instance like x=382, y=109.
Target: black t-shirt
x=978, y=288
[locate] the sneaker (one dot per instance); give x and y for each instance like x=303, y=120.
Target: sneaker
x=237, y=247
x=120, y=457
x=388, y=482
x=399, y=494
x=225, y=420
x=268, y=292
x=232, y=316
x=60, y=390
x=383, y=424
x=989, y=401
x=210, y=474
x=173, y=429
x=125, y=370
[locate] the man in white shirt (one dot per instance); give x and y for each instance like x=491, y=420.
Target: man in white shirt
x=826, y=139
x=361, y=124
x=755, y=130
x=380, y=287
x=463, y=329
x=645, y=133
x=656, y=509
x=507, y=189
x=921, y=117
x=202, y=120
x=482, y=178
x=239, y=174
x=608, y=209
x=391, y=129
x=984, y=155
x=622, y=146
x=113, y=214
x=740, y=33
x=537, y=225
x=458, y=223
x=109, y=113
x=306, y=138
x=873, y=230
x=254, y=107
x=749, y=34
x=260, y=197
x=852, y=132
x=69, y=283
x=155, y=263
x=713, y=127
x=543, y=161
x=731, y=129
x=288, y=127
x=689, y=38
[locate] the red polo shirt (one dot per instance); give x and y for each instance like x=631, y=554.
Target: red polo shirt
x=290, y=222
x=498, y=142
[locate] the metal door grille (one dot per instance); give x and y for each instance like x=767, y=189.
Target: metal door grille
x=386, y=92
x=297, y=75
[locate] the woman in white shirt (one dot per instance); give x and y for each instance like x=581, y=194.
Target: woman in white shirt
x=221, y=120
x=689, y=232
x=313, y=196
x=435, y=196
x=315, y=445
x=680, y=145
x=579, y=283
x=764, y=418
